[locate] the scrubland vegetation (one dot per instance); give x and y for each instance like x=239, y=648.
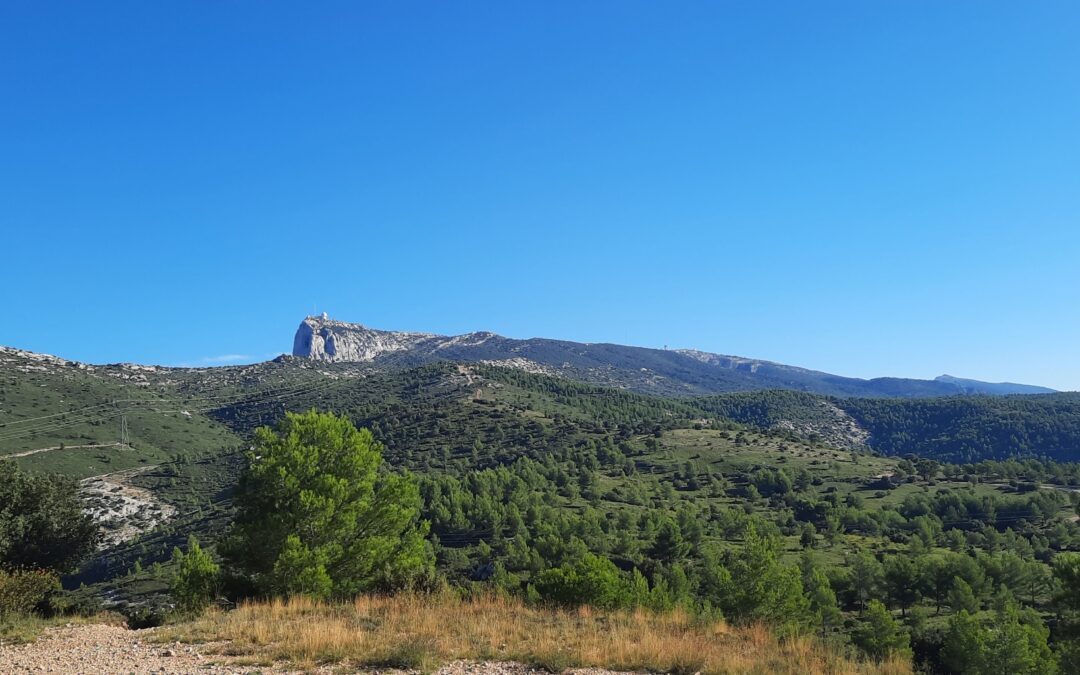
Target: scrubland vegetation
x=471, y=489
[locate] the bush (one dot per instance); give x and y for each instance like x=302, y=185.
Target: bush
x=138, y=618
x=196, y=580
x=592, y=580
x=23, y=590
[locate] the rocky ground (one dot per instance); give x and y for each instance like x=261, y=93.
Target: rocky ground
x=124, y=511
x=100, y=649
x=113, y=650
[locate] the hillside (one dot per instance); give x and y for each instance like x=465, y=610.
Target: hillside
x=653, y=371
x=955, y=429
x=522, y=472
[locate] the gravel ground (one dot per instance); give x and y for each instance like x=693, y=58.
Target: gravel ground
x=100, y=649
x=114, y=650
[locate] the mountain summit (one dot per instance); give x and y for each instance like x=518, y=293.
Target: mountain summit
x=324, y=339
x=657, y=371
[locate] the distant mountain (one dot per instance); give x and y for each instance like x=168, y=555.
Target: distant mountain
x=656, y=371
x=997, y=388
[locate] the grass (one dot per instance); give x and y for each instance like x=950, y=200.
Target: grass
x=423, y=632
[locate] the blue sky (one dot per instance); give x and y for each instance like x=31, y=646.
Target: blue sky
x=867, y=188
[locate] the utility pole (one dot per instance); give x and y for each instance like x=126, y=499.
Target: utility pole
x=124, y=432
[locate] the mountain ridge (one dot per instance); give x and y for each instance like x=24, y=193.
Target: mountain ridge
x=642, y=369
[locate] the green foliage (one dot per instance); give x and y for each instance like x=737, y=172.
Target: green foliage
x=1012, y=643
x=751, y=584
x=972, y=428
x=1066, y=571
x=822, y=598
x=953, y=428
x=962, y=598
x=669, y=545
x=315, y=514
x=23, y=590
x=901, y=580
x=593, y=581
x=522, y=476
x=197, y=576
x=1067, y=574
x=880, y=635
x=42, y=523
x=867, y=577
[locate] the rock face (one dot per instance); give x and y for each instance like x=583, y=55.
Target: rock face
x=324, y=339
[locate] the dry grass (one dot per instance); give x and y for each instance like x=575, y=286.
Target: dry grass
x=422, y=632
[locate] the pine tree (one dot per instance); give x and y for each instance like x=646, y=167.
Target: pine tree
x=880, y=635
x=867, y=578
x=753, y=585
x=823, y=600
x=316, y=515
x=196, y=580
x=901, y=581
x=962, y=598
x=1012, y=643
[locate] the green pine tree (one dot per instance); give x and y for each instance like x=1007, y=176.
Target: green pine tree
x=196, y=579
x=315, y=515
x=880, y=635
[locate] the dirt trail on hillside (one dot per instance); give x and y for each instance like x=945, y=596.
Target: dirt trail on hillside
x=27, y=453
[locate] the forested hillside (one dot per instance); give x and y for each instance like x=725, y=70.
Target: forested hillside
x=563, y=493
x=971, y=428
x=955, y=428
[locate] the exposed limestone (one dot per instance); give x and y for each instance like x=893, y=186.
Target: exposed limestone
x=524, y=364
x=325, y=339
x=123, y=510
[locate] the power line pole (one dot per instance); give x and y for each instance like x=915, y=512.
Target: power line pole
x=123, y=431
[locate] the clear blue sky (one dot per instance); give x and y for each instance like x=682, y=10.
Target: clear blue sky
x=867, y=188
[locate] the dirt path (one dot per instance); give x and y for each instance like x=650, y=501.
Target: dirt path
x=467, y=372
x=26, y=453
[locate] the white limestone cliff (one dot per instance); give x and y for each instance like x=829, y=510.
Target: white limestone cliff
x=324, y=339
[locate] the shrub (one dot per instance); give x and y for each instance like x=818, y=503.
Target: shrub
x=23, y=590
x=592, y=580
x=196, y=581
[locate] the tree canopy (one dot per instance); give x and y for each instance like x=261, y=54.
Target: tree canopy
x=42, y=522
x=316, y=515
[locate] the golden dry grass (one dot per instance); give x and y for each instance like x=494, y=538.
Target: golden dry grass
x=421, y=632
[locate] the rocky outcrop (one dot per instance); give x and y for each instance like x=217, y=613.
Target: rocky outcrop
x=324, y=339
